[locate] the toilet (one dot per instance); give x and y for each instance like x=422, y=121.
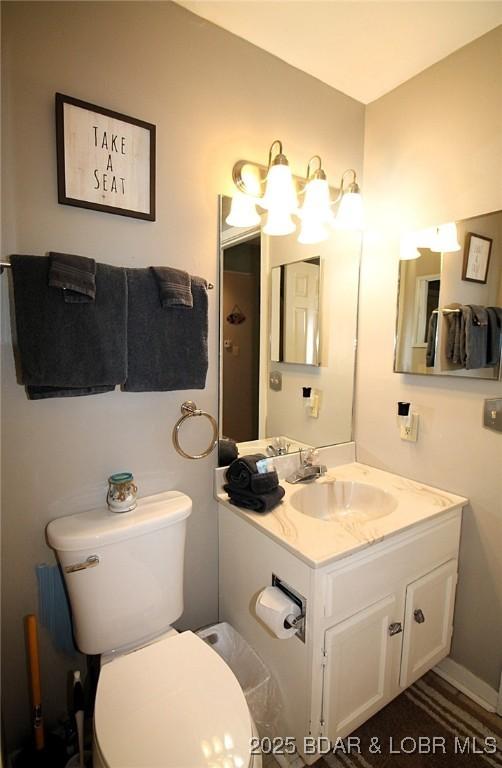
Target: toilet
x=164, y=699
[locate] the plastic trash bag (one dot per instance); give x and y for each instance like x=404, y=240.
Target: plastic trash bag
x=256, y=681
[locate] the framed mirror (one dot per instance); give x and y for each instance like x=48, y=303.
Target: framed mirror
x=288, y=327
x=449, y=313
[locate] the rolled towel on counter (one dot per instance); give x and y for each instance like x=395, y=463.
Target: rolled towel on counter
x=227, y=451
x=263, y=502
x=175, y=287
x=242, y=469
x=75, y=275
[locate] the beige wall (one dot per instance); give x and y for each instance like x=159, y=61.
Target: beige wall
x=214, y=99
x=433, y=152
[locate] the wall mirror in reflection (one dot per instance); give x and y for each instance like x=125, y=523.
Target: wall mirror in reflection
x=295, y=307
x=288, y=326
x=449, y=316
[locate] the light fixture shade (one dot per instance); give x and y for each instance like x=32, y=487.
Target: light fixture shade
x=446, y=239
x=243, y=211
x=312, y=232
x=280, y=193
x=408, y=247
x=424, y=238
x=350, y=211
x=317, y=203
x=279, y=223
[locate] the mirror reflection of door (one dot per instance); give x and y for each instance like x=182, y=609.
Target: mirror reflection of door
x=241, y=339
x=301, y=312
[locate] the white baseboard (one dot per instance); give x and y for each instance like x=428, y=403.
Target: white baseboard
x=473, y=687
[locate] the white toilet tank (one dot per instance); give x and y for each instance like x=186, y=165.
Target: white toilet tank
x=123, y=571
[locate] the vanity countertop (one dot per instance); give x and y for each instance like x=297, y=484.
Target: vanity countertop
x=319, y=543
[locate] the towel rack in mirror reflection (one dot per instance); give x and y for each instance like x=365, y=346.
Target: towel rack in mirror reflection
x=8, y=265
x=188, y=411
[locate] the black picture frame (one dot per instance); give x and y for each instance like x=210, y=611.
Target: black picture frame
x=470, y=254
x=65, y=198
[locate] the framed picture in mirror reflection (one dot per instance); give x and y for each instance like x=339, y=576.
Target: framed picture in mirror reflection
x=477, y=253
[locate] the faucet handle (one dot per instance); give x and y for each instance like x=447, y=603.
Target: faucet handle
x=309, y=457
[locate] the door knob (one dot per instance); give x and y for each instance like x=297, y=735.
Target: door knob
x=419, y=616
x=395, y=628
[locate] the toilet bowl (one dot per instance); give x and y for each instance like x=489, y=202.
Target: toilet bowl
x=171, y=704
x=164, y=699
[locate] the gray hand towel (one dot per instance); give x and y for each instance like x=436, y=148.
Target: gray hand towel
x=69, y=350
x=175, y=287
x=453, y=337
x=167, y=350
x=75, y=275
x=473, y=340
x=430, y=356
x=494, y=335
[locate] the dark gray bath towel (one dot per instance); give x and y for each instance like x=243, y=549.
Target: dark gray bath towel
x=256, y=502
x=430, y=356
x=454, y=320
x=69, y=350
x=175, y=287
x=75, y=275
x=167, y=348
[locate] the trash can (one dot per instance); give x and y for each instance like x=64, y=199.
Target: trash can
x=256, y=681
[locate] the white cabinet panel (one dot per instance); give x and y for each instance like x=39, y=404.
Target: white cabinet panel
x=362, y=666
x=428, y=621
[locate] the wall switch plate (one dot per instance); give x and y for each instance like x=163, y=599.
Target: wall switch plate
x=275, y=380
x=492, y=414
x=409, y=428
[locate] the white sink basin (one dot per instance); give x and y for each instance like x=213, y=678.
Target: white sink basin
x=337, y=500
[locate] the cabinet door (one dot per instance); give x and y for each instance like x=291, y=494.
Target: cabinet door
x=428, y=621
x=362, y=666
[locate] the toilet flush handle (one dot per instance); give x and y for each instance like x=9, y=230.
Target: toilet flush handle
x=91, y=562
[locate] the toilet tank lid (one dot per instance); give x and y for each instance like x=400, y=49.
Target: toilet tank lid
x=100, y=527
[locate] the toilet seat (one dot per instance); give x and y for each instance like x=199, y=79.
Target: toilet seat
x=172, y=704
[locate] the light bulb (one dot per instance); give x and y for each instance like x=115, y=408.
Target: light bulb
x=280, y=193
x=312, y=232
x=243, y=211
x=350, y=211
x=317, y=203
x=279, y=222
x=408, y=248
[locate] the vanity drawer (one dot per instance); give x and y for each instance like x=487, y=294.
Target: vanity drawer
x=387, y=567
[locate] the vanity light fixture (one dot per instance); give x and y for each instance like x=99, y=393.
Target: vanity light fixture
x=442, y=239
x=274, y=189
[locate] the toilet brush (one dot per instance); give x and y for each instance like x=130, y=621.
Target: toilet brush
x=78, y=708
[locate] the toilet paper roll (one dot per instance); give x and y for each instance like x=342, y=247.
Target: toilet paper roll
x=273, y=607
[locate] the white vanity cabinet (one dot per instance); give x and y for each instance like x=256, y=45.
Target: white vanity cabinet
x=376, y=619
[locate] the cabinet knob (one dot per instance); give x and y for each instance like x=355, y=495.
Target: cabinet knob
x=395, y=628
x=419, y=616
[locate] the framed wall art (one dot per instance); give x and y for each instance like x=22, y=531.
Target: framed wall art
x=477, y=253
x=105, y=160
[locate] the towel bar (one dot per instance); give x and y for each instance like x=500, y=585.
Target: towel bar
x=189, y=409
x=8, y=265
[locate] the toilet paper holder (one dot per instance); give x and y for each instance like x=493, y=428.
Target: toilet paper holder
x=297, y=622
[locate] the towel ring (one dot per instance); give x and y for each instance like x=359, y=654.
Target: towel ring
x=189, y=409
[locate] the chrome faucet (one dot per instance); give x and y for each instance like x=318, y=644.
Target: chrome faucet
x=309, y=468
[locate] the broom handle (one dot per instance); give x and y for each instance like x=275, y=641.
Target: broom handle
x=35, y=687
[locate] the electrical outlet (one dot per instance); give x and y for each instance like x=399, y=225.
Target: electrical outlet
x=409, y=428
